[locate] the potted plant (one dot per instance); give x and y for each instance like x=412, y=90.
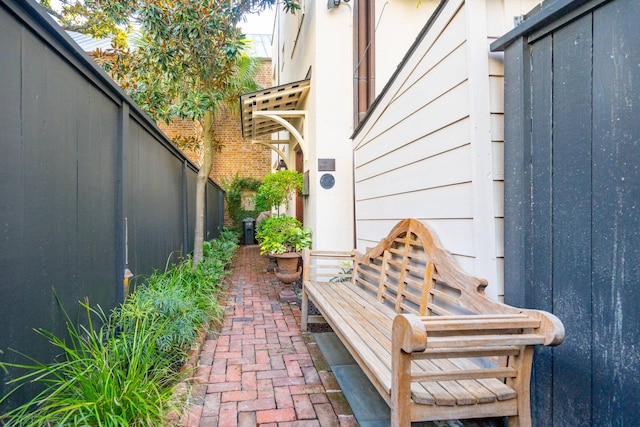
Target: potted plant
x=284, y=237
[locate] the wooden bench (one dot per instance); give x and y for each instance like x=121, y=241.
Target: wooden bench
x=423, y=331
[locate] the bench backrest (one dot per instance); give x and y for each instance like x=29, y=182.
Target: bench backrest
x=409, y=271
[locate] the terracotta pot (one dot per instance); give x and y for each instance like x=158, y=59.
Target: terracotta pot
x=288, y=262
x=288, y=278
x=288, y=271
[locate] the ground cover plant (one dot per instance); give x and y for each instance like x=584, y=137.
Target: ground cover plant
x=121, y=369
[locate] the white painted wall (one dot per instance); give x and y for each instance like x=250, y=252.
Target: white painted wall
x=324, y=43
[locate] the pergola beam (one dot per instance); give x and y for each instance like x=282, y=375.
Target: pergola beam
x=278, y=117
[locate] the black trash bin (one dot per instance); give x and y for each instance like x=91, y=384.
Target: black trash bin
x=248, y=229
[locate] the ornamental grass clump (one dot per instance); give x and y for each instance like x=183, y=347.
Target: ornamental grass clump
x=121, y=369
x=103, y=377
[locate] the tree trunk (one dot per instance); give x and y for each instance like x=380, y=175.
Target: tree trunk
x=201, y=186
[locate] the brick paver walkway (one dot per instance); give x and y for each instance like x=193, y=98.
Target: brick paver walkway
x=260, y=369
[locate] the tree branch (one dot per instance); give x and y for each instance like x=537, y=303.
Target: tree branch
x=52, y=12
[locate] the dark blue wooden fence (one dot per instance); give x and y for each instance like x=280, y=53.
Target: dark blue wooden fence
x=82, y=172
x=572, y=203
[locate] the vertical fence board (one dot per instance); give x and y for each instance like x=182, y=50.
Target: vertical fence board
x=517, y=154
x=571, y=194
x=540, y=236
x=12, y=195
x=616, y=214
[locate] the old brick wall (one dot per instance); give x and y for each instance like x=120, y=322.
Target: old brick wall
x=235, y=155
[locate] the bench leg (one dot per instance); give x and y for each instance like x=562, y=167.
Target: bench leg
x=408, y=335
x=522, y=386
x=304, y=311
x=400, y=388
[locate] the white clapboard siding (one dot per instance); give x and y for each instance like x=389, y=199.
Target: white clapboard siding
x=497, y=153
x=432, y=148
x=500, y=238
x=449, y=50
x=497, y=127
x=444, y=37
x=427, y=203
x=449, y=73
x=429, y=173
x=499, y=201
x=496, y=85
x=447, y=138
x=416, y=124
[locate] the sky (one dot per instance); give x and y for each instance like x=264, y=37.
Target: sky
x=259, y=24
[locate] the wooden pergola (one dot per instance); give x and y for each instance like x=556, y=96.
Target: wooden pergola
x=275, y=109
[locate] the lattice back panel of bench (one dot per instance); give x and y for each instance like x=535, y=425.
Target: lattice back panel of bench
x=409, y=271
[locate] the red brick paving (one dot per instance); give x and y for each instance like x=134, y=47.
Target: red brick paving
x=260, y=370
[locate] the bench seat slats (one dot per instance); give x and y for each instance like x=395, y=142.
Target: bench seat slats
x=359, y=337
x=498, y=388
x=367, y=325
x=480, y=392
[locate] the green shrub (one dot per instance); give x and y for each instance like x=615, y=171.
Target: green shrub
x=277, y=188
x=177, y=316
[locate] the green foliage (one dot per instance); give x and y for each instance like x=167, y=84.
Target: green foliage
x=345, y=274
x=121, y=370
x=99, y=19
x=189, y=57
x=280, y=234
x=277, y=188
x=219, y=253
x=104, y=377
x=233, y=195
x=115, y=18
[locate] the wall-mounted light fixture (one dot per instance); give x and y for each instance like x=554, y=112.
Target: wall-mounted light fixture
x=282, y=165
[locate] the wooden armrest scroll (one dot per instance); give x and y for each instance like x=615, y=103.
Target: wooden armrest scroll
x=409, y=332
x=550, y=327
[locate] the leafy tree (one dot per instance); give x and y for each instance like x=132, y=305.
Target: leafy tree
x=188, y=62
x=100, y=19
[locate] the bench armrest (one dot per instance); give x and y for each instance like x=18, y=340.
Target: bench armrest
x=550, y=326
x=408, y=333
x=416, y=334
